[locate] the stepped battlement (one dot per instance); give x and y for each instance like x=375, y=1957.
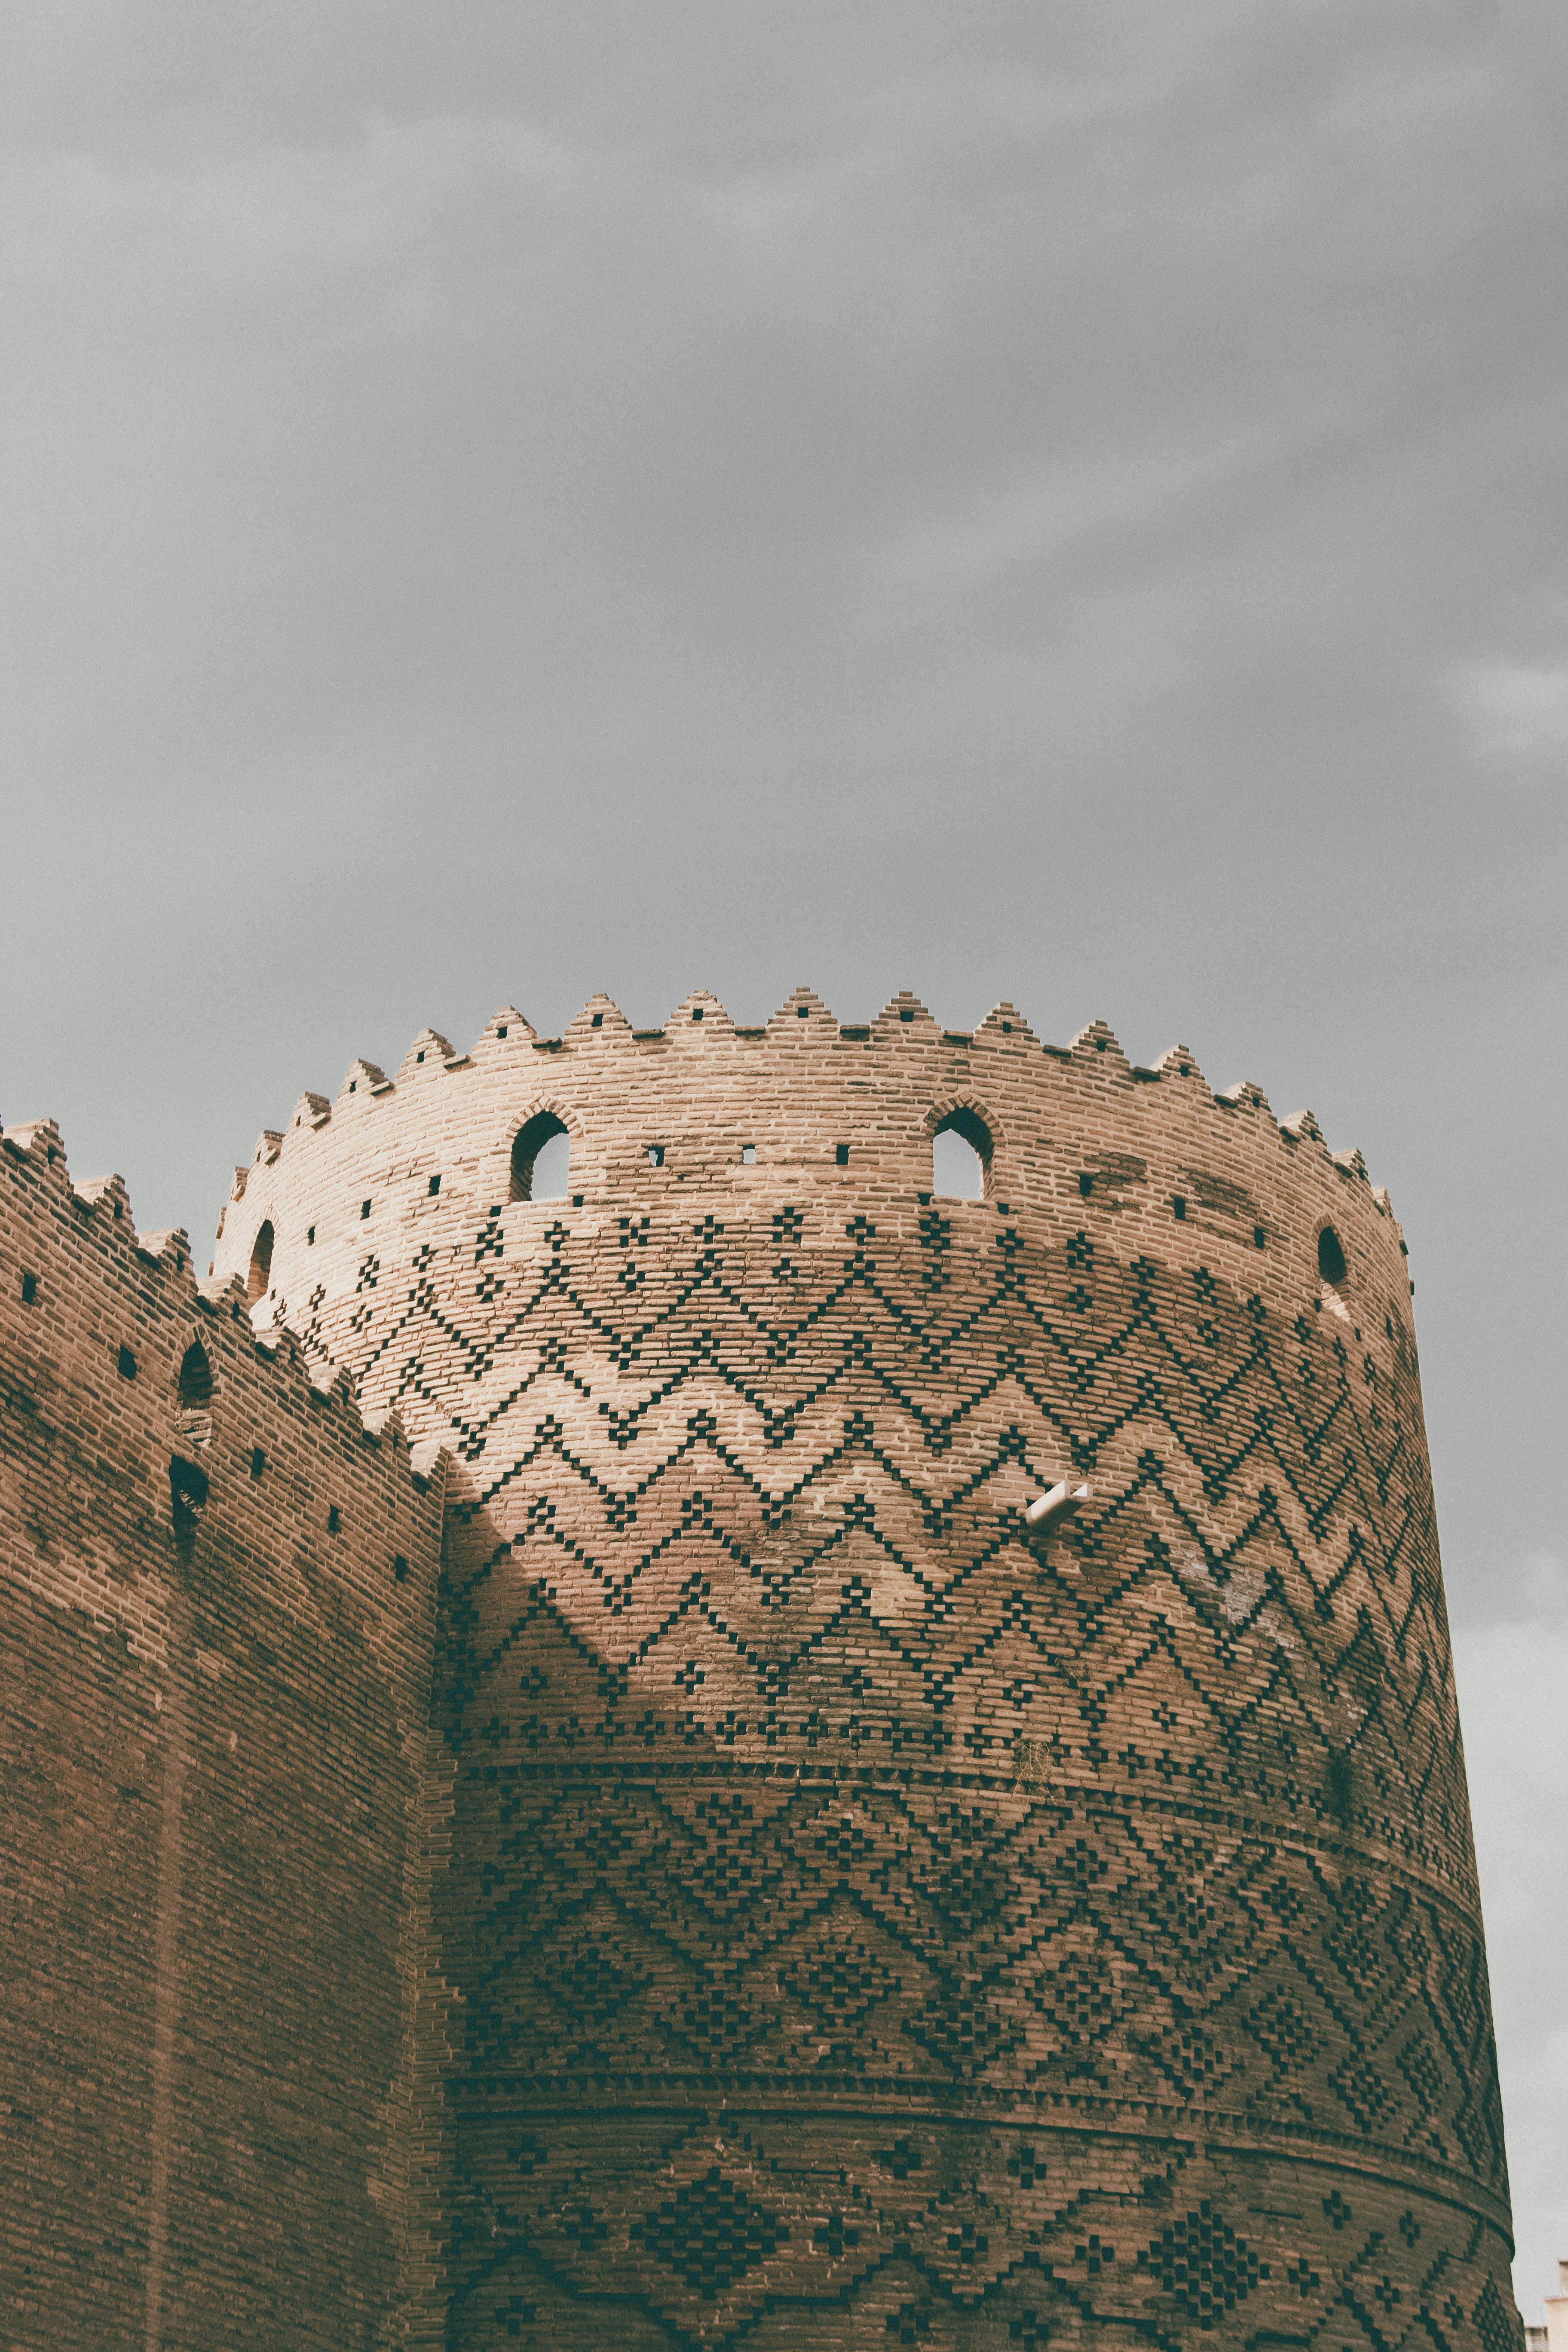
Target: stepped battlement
x=717, y=1860
x=808, y=1111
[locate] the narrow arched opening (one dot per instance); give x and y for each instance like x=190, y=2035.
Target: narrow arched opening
x=541, y=1159
x=259, y=1279
x=1331, y=1257
x=195, y=1376
x=960, y=1156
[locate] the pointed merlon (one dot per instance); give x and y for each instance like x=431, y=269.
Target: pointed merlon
x=803, y=1012
x=362, y=1078
x=429, y=1051
x=109, y=1193
x=172, y=1243
x=905, y=1015
x=1005, y=1020
x=1245, y=1097
x=39, y=1140
x=600, y=1017
x=1180, y=1064
x=506, y=1027
x=699, y=1011
x=1099, y=1041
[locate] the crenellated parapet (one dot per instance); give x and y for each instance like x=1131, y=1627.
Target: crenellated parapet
x=921, y=1797
x=818, y=1113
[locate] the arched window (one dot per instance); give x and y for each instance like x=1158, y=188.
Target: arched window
x=960, y=1156
x=195, y=1376
x=540, y=1159
x=1330, y=1257
x=260, y=1278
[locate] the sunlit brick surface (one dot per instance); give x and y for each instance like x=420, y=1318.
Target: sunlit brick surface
x=857, y=1925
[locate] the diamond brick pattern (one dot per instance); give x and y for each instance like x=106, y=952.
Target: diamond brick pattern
x=711, y=2233
x=886, y=1927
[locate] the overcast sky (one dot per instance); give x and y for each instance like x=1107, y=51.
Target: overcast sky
x=1055, y=501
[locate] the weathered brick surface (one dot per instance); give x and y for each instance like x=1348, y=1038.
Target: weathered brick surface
x=220, y=1804
x=862, y=1927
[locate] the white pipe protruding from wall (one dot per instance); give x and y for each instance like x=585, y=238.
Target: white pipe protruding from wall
x=1047, y=1511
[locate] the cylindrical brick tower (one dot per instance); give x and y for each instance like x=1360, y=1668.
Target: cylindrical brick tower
x=866, y=1922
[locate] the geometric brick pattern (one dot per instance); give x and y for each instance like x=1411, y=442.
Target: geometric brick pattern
x=862, y=1925
x=792, y=1783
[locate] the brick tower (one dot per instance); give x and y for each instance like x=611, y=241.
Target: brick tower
x=866, y=1923
x=841, y=1911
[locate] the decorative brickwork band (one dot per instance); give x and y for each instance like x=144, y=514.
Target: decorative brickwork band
x=870, y=1924
x=835, y=1905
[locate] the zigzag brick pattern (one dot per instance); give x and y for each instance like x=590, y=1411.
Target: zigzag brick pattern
x=864, y=1926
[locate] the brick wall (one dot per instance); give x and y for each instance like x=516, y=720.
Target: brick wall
x=223, y=2032
x=861, y=1921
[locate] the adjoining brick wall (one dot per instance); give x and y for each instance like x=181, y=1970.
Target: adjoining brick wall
x=866, y=1926
x=224, y=2030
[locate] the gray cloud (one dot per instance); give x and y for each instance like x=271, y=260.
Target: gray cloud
x=1057, y=501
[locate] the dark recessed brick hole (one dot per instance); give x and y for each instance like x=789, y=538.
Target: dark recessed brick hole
x=501, y=1030
x=906, y=1012
x=696, y=1013
x=1085, y=1184
x=841, y=1154
x=257, y=1462
x=576, y=1200
x=1179, y=1206
x=419, y=1056
x=29, y=1288
x=1258, y=1237
x=365, y=1209
x=434, y=1186
x=195, y=1376
x=803, y=1011
x=334, y=1519
x=187, y=1494
x=598, y=1021
x=354, y=1085
x=310, y=1236
x=399, y=1568
x=1330, y=1256
x=258, y=1280
x=127, y=1365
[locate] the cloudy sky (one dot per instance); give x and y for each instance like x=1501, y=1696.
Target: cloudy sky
x=1062, y=502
